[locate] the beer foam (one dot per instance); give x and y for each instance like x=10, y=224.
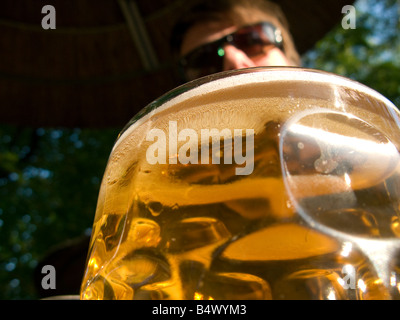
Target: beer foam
x=253, y=76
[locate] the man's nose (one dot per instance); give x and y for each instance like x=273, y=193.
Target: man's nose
x=236, y=59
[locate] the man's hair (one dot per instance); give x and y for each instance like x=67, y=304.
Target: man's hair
x=235, y=12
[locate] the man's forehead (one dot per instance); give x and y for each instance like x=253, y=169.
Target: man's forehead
x=208, y=31
x=205, y=32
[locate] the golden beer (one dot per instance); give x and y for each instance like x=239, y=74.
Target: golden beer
x=266, y=183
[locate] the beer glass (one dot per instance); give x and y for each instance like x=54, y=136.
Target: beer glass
x=261, y=183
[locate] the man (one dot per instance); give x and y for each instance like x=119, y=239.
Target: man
x=223, y=35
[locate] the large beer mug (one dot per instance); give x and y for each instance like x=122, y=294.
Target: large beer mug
x=264, y=183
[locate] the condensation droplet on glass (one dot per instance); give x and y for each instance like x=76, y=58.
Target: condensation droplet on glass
x=325, y=165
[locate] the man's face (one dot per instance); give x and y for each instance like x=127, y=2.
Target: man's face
x=234, y=57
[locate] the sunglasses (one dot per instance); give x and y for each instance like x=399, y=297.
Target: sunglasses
x=209, y=58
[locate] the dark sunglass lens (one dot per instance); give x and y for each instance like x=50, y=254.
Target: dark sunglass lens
x=248, y=39
x=251, y=39
x=203, y=61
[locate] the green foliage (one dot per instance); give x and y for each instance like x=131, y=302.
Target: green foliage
x=370, y=53
x=49, y=181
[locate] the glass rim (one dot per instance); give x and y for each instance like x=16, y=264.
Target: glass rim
x=226, y=79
